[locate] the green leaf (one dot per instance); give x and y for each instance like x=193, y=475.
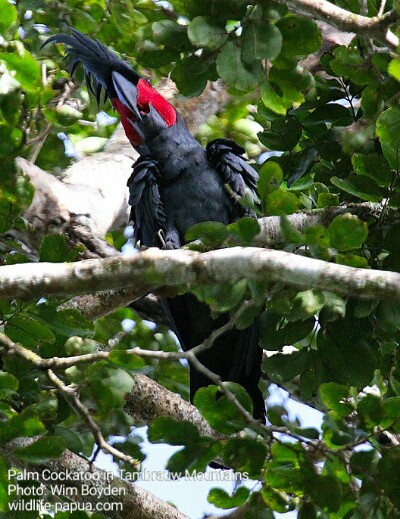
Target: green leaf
x=391, y=409
x=126, y=360
x=26, y=423
x=8, y=385
x=360, y=186
x=155, y=58
x=274, y=99
x=272, y=500
x=42, y=450
x=9, y=15
x=337, y=398
x=388, y=131
x=300, y=163
x=301, y=36
x=10, y=140
x=28, y=331
x=394, y=380
x=171, y=33
x=226, y=9
x=83, y=21
x=270, y=178
x=285, y=87
x=317, y=235
x=212, y=234
x=193, y=457
x=245, y=455
x=238, y=76
x=56, y=249
x=284, y=134
x=204, y=32
x=107, y=387
x=166, y=430
x=347, y=232
x=221, y=499
x=333, y=114
x=307, y=432
x=220, y=413
x=289, y=231
x=281, y=202
x=326, y=492
x=26, y=68
x=373, y=165
x=306, y=304
x=79, y=346
x=352, y=365
x=370, y=409
x=260, y=40
x=284, y=469
x=336, y=432
x=131, y=447
x=277, y=415
x=334, y=307
x=222, y=298
x=350, y=63
x=191, y=74
x=292, y=332
x=394, y=68
x=71, y=439
x=67, y=323
x=361, y=463
x=388, y=474
x=125, y=16
x=281, y=368
x=248, y=315
x=246, y=229
x=388, y=316
x=352, y=260
x=372, y=102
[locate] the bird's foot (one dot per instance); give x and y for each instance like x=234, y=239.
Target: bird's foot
x=171, y=245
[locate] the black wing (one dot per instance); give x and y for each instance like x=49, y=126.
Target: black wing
x=147, y=211
x=227, y=158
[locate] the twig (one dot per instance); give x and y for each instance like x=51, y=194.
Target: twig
x=71, y=395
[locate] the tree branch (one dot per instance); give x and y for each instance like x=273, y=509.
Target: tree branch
x=375, y=27
x=136, y=503
x=270, y=234
x=71, y=396
x=154, y=268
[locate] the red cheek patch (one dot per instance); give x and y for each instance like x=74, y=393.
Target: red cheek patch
x=147, y=94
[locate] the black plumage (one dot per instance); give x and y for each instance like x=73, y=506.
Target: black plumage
x=175, y=184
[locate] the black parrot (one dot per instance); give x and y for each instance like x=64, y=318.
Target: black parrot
x=175, y=184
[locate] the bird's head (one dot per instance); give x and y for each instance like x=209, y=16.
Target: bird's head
x=139, y=105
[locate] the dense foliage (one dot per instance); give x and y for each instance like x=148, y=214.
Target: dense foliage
x=336, y=124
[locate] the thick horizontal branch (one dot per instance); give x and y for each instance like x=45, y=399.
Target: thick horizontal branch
x=180, y=268
x=271, y=235
x=374, y=27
